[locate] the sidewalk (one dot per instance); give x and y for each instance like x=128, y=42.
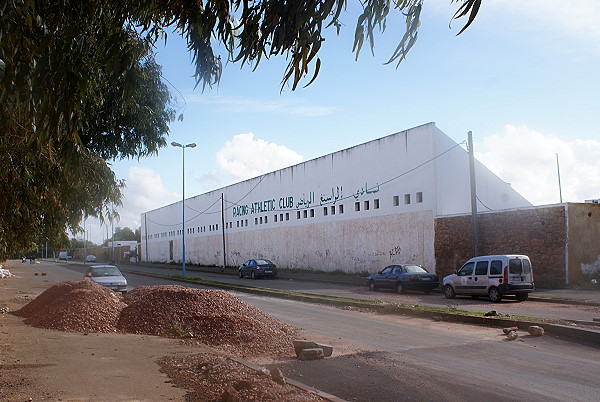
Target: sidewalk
x=566, y=296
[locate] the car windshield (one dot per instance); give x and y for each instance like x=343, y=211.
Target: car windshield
x=106, y=271
x=414, y=269
x=263, y=262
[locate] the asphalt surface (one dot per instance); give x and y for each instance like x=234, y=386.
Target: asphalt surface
x=379, y=357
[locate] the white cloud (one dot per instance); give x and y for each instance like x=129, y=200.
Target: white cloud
x=244, y=157
x=527, y=159
x=145, y=191
x=577, y=17
x=231, y=104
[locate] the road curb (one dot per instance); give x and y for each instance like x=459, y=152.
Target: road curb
x=564, y=332
x=297, y=384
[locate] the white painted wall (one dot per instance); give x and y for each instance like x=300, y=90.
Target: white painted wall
x=281, y=215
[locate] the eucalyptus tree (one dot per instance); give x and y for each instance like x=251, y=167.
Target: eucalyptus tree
x=79, y=86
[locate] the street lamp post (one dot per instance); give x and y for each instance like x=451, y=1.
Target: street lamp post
x=183, y=147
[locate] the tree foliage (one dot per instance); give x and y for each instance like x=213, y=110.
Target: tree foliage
x=77, y=89
x=123, y=234
x=79, y=86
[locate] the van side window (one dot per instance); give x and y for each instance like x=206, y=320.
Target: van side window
x=526, y=267
x=514, y=266
x=481, y=268
x=496, y=267
x=467, y=269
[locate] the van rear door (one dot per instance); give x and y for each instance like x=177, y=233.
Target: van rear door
x=519, y=270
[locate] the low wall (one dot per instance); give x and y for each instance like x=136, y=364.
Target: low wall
x=540, y=233
x=353, y=246
x=584, y=242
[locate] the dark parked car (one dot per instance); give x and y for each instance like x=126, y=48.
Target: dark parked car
x=257, y=268
x=404, y=277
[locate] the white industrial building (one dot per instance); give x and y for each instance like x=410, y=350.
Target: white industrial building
x=354, y=210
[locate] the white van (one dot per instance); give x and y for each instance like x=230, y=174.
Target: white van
x=493, y=276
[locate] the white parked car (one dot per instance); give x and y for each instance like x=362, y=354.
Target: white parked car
x=90, y=258
x=493, y=276
x=109, y=276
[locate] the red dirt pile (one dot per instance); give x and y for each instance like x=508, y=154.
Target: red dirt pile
x=74, y=306
x=214, y=317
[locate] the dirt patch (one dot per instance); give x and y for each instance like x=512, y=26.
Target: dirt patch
x=215, y=378
x=79, y=348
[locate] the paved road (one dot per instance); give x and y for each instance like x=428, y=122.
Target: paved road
x=380, y=357
x=507, y=306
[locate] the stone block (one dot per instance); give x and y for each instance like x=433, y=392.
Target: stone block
x=299, y=345
x=327, y=349
x=535, y=330
x=311, y=354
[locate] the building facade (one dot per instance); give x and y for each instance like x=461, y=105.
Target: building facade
x=355, y=210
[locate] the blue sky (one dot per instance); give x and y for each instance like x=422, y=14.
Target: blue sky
x=524, y=78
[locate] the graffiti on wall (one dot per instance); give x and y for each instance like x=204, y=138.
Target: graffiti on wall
x=395, y=251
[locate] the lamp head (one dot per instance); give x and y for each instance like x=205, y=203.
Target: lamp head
x=176, y=144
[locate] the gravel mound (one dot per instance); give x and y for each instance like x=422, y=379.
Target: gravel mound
x=46, y=299
x=214, y=317
x=83, y=306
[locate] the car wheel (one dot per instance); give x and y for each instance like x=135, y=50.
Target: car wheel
x=372, y=285
x=252, y=275
x=240, y=273
x=522, y=296
x=399, y=288
x=449, y=292
x=494, y=294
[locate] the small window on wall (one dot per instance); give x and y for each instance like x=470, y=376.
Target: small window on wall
x=305, y=213
x=324, y=211
x=281, y=217
x=266, y=219
x=238, y=224
x=312, y=213
x=366, y=205
x=341, y=208
x=287, y=216
x=357, y=206
x=376, y=204
x=419, y=197
x=333, y=210
x=260, y=220
x=396, y=200
x=256, y=221
x=217, y=226
x=407, y=199
x=275, y=218
x=298, y=215
x=246, y=224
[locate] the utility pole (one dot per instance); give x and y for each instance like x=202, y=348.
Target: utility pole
x=559, y=186
x=223, y=228
x=473, y=195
